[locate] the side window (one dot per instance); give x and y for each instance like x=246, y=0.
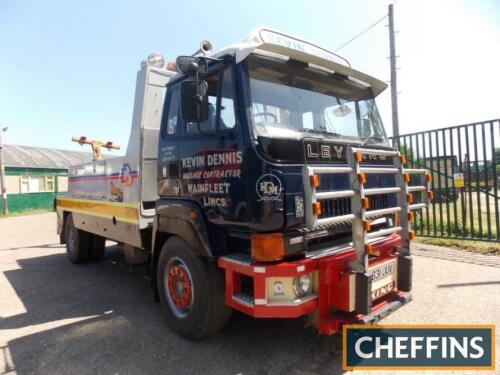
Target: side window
x=227, y=115
x=173, y=110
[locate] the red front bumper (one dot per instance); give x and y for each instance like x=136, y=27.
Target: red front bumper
x=330, y=304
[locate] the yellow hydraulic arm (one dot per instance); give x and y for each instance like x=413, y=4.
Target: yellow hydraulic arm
x=96, y=145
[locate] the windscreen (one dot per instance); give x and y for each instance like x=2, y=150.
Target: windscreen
x=291, y=99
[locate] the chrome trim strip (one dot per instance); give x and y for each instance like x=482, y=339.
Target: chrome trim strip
x=415, y=171
x=382, y=211
x=335, y=194
x=417, y=206
x=335, y=219
x=369, y=151
x=295, y=302
x=374, y=191
x=378, y=170
x=383, y=232
x=416, y=188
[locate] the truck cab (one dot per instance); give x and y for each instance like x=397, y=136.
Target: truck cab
x=278, y=193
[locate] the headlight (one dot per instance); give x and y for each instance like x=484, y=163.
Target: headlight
x=302, y=285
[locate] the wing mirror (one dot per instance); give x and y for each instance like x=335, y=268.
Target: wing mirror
x=194, y=98
x=192, y=65
x=194, y=101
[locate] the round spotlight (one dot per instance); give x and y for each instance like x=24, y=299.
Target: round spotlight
x=155, y=59
x=302, y=285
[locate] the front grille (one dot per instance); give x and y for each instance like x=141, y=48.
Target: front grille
x=342, y=206
x=335, y=207
x=379, y=201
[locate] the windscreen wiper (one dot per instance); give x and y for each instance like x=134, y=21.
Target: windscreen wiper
x=372, y=139
x=318, y=131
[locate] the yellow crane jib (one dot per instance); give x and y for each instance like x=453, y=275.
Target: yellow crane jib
x=96, y=145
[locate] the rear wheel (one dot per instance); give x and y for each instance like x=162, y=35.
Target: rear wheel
x=191, y=291
x=78, y=242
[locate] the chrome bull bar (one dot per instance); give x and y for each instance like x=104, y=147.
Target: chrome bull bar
x=360, y=211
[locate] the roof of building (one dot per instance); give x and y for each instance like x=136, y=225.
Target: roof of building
x=41, y=157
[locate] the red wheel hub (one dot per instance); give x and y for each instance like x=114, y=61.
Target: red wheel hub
x=179, y=287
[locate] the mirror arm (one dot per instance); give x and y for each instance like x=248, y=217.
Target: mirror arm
x=198, y=100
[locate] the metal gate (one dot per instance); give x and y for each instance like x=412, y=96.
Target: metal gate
x=463, y=162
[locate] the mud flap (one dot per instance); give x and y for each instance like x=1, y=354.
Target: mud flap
x=363, y=293
x=405, y=271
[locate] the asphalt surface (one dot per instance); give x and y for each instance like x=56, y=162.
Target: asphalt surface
x=100, y=318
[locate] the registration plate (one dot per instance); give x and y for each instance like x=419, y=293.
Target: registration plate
x=383, y=279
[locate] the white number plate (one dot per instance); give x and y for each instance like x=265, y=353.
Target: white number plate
x=383, y=279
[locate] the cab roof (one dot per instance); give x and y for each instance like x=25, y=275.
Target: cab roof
x=265, y=40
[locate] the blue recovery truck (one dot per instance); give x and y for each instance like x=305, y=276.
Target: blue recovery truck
x=257, y=178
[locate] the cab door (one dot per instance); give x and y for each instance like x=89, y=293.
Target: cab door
x=210, y=153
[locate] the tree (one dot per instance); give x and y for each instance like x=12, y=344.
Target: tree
x=496, y=160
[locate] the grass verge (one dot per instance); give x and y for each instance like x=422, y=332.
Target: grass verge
x=486, y=248
x=24, y=213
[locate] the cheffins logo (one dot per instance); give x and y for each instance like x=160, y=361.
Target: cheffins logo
x=268, y=187
x=425, y=347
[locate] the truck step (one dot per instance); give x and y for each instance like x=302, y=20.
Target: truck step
x=244, y=299
x=240, y=258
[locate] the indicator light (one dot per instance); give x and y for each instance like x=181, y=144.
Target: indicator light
x=362, y=178
x=367, y=225
x=316, y=208
x=267, y=247
x=365, y=203
x=358, y=156
x=171, y=66
x=314, y=180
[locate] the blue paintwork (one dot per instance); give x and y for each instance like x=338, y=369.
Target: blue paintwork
x=245, y=212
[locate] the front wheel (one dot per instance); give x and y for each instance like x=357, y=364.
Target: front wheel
x=191, y=291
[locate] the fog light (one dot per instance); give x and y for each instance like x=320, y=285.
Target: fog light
x=302, y=285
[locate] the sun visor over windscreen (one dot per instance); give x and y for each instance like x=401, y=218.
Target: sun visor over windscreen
x=297, y=49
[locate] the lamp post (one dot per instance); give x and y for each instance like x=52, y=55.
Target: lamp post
x=3, y=189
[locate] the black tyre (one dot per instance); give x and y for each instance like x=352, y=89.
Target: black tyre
x=191, y=291
x=78, y=242
x=97, y=246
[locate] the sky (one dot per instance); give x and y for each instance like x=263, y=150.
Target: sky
x=69, y=67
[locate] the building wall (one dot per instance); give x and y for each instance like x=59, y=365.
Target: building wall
x=26, y=188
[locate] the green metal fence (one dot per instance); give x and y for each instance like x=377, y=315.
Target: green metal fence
x=464, y=161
